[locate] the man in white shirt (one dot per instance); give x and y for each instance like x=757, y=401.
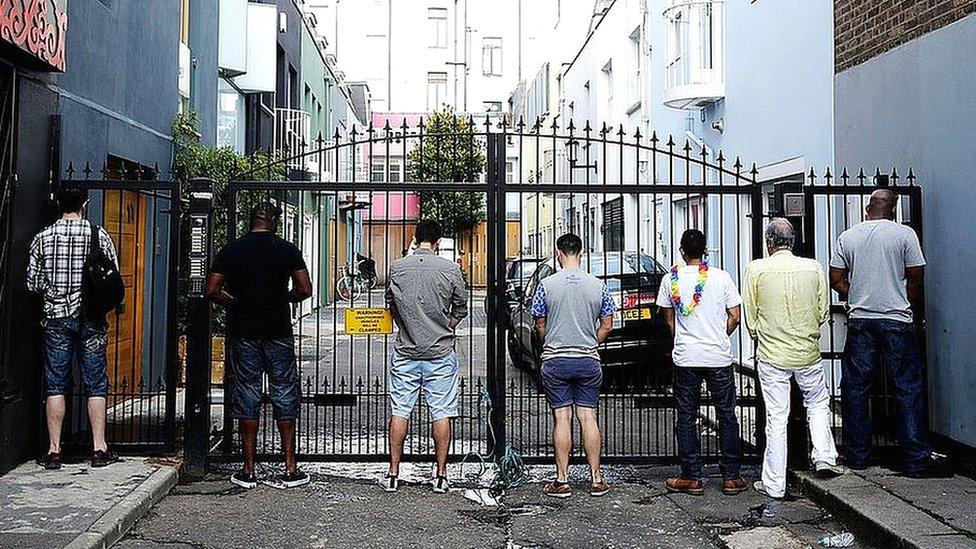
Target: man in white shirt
x=701, y=306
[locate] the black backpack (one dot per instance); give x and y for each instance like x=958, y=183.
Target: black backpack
x=102, y=289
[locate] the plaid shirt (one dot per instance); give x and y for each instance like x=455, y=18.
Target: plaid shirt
x=57, y=256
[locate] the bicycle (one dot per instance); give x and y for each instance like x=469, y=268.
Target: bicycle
x=351, y=285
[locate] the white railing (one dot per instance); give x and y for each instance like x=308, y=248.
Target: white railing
x=695, y=74
x=292, y=136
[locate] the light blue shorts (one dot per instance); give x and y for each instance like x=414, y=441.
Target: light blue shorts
x=438, y=378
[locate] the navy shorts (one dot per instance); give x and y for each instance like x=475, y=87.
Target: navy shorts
x=67, y=340
x=250, y=359
x=572, y=381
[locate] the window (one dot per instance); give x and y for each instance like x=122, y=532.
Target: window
x=613, y=225
x=708, y=54
x=394, y=173
x=492, y=106
x=634, y=75
x=436, y=90
x=230, y=118
x=509, y=172
x=376, y=172
x=491, y=56
x=437, y=21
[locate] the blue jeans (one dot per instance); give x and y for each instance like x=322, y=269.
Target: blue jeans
x=687, y=395
x=68, y=339
x=897, y=344
x=250, y=359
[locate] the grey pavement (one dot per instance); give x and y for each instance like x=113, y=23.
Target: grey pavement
x=78, y=506
x=900, y=511
x=344, y=508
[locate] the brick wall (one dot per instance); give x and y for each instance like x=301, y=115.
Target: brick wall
x=864, y=29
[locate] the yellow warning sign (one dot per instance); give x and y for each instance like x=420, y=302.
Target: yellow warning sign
x=375, y=320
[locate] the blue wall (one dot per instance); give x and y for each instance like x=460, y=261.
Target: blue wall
x=203, y=56
x=916, y=105
x=779, y=76
x=119, y=93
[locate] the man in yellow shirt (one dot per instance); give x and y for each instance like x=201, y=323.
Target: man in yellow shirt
x=785, y=302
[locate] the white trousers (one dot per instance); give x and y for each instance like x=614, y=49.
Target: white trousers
x=775, y=384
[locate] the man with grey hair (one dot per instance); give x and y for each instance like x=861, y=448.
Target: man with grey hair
x=785, y=301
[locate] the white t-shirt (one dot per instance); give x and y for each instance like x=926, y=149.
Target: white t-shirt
x=700, y=339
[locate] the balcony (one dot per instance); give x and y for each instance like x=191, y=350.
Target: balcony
x=695, y=73
x=292, y=131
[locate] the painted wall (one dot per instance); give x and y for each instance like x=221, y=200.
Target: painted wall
x=114, y=94
x=203, y=75
x=915, y=105
x=779, y=67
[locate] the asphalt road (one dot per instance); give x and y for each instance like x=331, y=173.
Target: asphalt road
x=343, y=508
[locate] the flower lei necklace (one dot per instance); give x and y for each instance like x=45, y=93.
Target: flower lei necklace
x=682, y=308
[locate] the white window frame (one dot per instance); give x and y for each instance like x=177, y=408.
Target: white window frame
x=634, y=76
x=437, y=23
x=436, y=83
x=491, y=56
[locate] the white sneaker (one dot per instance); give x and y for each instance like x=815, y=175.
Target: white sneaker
x=761, y=488
x=441, y=485
x=390, y=483
x=827, y=470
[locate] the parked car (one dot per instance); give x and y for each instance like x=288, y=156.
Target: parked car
x=640, y=343
x=518, y=273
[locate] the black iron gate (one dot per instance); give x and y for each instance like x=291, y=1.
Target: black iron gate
x=628, y=195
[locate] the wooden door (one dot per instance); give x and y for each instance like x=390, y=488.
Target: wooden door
x=125, y=221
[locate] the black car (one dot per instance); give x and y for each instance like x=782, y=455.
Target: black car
x=640, y=345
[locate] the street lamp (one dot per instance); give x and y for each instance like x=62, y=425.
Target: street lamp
x=573, y=150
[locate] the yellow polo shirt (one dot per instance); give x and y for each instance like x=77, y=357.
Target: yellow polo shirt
x=785, y=302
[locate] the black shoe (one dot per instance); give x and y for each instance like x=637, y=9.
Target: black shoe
x=50, y=461
x=101, y=458
x=933, y=467
x=292, y=480
x=244, y=480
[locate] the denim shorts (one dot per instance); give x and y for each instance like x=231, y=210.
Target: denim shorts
x=68, y=339
x=250, y=360
x=572, y=381
x=437, y=377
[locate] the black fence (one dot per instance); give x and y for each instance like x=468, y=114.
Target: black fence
x=507, y=192
x=142, y=216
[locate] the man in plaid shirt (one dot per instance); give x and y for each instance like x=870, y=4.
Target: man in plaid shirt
x=57, y=256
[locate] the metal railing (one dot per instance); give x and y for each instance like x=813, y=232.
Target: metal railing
x=292, y=135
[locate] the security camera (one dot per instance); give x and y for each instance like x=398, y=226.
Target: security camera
x=719, y=125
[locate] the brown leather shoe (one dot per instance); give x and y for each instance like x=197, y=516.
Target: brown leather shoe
x=685, y=486
x=734, y=486
x=558, y=490
x=598, y=489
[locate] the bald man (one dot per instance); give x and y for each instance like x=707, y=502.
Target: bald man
x=878, y=268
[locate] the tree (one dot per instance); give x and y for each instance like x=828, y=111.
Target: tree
x=450, y=152
x=192, y=159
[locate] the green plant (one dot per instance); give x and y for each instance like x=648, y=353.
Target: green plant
x=192, y=159
x=450, y=153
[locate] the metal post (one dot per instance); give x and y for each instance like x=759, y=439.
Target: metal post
x=756, y=213
x=496, y=289
x=198, y=333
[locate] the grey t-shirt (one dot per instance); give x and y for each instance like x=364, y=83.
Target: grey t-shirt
x=876, y=254
x=572, y=302
x=425, y=291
